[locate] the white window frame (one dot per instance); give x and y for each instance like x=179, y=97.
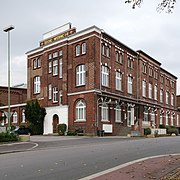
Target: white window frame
x=104, y=113
x=23, y=116
x=55, y=94
x=38, y=62
x=172, y=99
x=60, y=68
x=167, y=97
x=155, y=92
x=50, y=67
x=80, y=111
x=50, y=91
x=60, y=97
x=105, y=76
x=55, y=54
x=161, y=95
x=150, y=90
x=80, y=75
x=144, y=88
x=118, y=114
x=84, y=48
x=130, y=84
x=161, y=118
x=60, y=53
x=177, y=120
x=35, y=63
x=15, y=117
x=167, y=118
x=118, y=81
x=50, y=56
x=146, y=118
x=55, y=67
x=37, y=84
x=78, y=49
x=172, y=120
x=130, y=116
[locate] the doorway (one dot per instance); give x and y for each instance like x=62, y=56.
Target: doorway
x=55, y=123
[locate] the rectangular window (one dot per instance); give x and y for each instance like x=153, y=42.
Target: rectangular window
x=60, y=97
x=60, y=53
x=55, y=94
x=150, y=90
x=130, y=116
x=130, y=85
x=60, y=68
x=55, y=67
x=144, y=88
x=167, y=118
x=130, y=62
x=104, y=113
x=121, y=58
x=167, y=97
x=155, y=92
x=37, y=84
x=146, y=114
x=50, y=91
x=144, y=68
x=83, y=48
x=35, y=63
x=50, y=56
x=177, y=120
x=105, y=76
x=118, y=81
x=118, y=115
x=150, y=71
x=161, y=119
x=50, y=67
x=38, y=62
x=78, y=50
x=107, y=51
x=161, y=96
x=80, y=75
x=172, y=99
x=55, y=54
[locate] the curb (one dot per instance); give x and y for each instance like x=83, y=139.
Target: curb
x=124, y=165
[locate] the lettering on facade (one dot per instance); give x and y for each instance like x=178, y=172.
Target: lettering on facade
x=58, y=37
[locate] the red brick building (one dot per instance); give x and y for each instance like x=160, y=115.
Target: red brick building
x=18, y=97
x=92, y=81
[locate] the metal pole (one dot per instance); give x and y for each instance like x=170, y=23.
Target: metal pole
x=9, y=98
x=8, y=29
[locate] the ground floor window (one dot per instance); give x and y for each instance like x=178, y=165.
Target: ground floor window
x=80, y=111
x=104, y=112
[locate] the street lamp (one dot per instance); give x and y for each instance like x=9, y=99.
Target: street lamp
x=8, y=29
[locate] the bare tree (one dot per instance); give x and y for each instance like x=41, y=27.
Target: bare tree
x=165, y=5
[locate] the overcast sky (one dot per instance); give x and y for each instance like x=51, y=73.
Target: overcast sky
x=157, y=34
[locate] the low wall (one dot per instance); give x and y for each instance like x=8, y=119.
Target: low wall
x=160, y=131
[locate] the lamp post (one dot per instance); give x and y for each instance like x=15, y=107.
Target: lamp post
x=8, y=29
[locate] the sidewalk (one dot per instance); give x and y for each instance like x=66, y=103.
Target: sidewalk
x=160, y=167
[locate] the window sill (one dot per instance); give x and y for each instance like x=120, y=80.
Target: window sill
x=80, y=121
x=105, y=121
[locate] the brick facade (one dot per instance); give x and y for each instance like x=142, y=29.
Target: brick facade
x=92, y=98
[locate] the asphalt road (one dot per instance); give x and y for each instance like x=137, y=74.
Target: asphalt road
x=77, y=158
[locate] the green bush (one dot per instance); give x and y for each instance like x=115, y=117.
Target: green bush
x=171, y=130
x=13, y=127
x=162, y=126
x=71, y=133
x=5, y=137
x=62, y=129
x=147, y=131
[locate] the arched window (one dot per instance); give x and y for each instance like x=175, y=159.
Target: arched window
x=80, y=111
x=84, y=48
x=77, y=50
x=15, y=117
x=23, y=116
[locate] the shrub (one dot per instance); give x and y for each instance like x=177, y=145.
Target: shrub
x=62, y=129
x=171, y=130
x=5, y=137
x=13, y=127
x=147, y=131
x=71, y=133
x=162, y=126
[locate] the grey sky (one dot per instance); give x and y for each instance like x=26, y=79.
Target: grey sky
x=158, y=34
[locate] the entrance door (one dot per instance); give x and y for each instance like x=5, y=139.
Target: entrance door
x=55, y=123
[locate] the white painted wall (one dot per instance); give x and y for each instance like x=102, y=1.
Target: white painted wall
x=61, y=111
